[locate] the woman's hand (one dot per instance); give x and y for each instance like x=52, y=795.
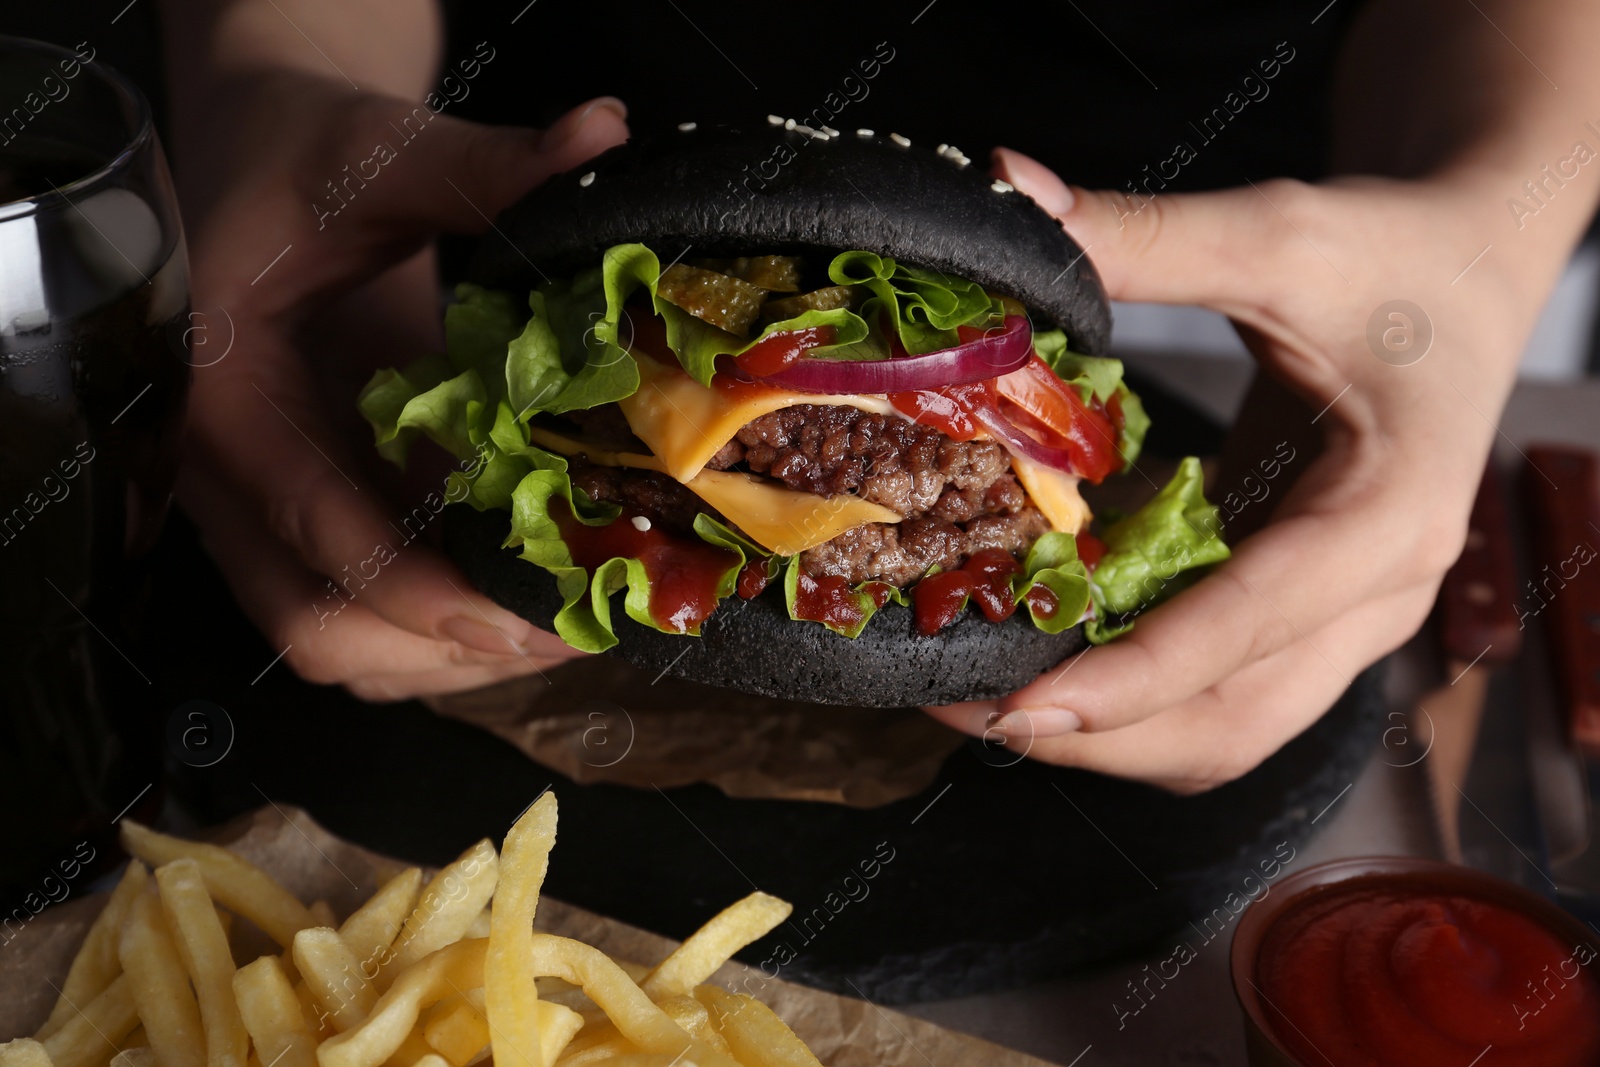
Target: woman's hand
x=316, y=278
x=1209, y=684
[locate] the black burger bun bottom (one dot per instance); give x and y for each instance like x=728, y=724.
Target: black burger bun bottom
x=717, y=191
x=754, y=647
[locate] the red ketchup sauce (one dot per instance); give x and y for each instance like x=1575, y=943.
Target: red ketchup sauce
x=683, y=573
x=1090, y=549
x=752, y=579
x=1373, y=977
x=938, y=599
x=944, y=413
x=830, y=600
x=773, y=354
x=1042, y=601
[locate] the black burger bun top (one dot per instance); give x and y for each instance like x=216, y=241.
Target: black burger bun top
x=725, y=191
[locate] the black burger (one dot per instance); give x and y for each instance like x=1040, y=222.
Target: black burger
x=816, y=404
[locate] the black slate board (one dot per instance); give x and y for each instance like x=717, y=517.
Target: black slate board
x=1003, y=872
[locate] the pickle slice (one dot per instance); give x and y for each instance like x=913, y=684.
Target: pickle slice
x=834, y=296
x=776, y=274
x=726, y=302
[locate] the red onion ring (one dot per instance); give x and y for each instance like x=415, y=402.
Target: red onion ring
x=1021, y=442
x=995, y=353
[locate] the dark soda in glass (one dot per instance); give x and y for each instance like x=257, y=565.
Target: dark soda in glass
x=94, y=311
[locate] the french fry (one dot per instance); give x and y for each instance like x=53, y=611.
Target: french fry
x=96, y=963
x=753, y=1031
x=508, y=980
x=625, y=1004
x=333, y=974
x=451, y=969
x=404, y=981
x=456, y=1028
x=160, y=986
x=557, y=1026
x=444, y=911
x=695, y=1019
x=237, y=884
x=310, y=1010
x=203, y=947
x=480, y=925
x=715, y=943
x=413, y=1050
x=272, y=1015
x=372, y=928
x=25, y=1052
x=602, y=1043
x=90, y=1037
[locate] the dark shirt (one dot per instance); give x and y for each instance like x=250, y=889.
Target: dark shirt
x=1097, y=89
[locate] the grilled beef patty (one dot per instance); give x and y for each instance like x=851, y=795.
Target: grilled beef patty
x=957, y=496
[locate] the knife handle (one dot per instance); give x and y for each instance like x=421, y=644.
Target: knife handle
x=1477, y=602
x=1564, y=488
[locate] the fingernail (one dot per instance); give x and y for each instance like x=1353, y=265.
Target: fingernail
x=485, y=637
x=567, y=126
x=1040, y=722
x=1036, y=180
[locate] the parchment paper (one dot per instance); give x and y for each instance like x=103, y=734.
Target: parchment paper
x=599, y=720
x=316, y=865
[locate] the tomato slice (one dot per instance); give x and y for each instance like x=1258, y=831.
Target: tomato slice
x=1088, y=433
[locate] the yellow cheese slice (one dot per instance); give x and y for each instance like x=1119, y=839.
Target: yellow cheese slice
x=781, y=520
x=685, y=423
x=1054, y=493
x=567, y=446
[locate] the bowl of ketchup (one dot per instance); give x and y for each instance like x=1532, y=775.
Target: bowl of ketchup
x=1394, y=960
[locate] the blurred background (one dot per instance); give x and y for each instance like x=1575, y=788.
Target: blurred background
x=1097, y=111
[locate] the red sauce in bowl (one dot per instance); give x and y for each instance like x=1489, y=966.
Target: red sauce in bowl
x=1377, y=973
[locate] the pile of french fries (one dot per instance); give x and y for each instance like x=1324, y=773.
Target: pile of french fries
x=445, y=974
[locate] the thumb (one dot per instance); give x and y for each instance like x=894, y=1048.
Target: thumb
x=459, y=175
x=1210, y=249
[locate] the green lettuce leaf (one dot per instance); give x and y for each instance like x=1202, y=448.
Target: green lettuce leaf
x=1135, y=424
x=536, y=365
x=1154, y=552
x=1099, y=631
x=926, y=306
x=716, y=533
x=1053, y=563
x=696, y=343
x=584, y=620
x=869, y=607
x=424, y=398
x=503, y=458
x=1097, y=378
x=477, y=328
